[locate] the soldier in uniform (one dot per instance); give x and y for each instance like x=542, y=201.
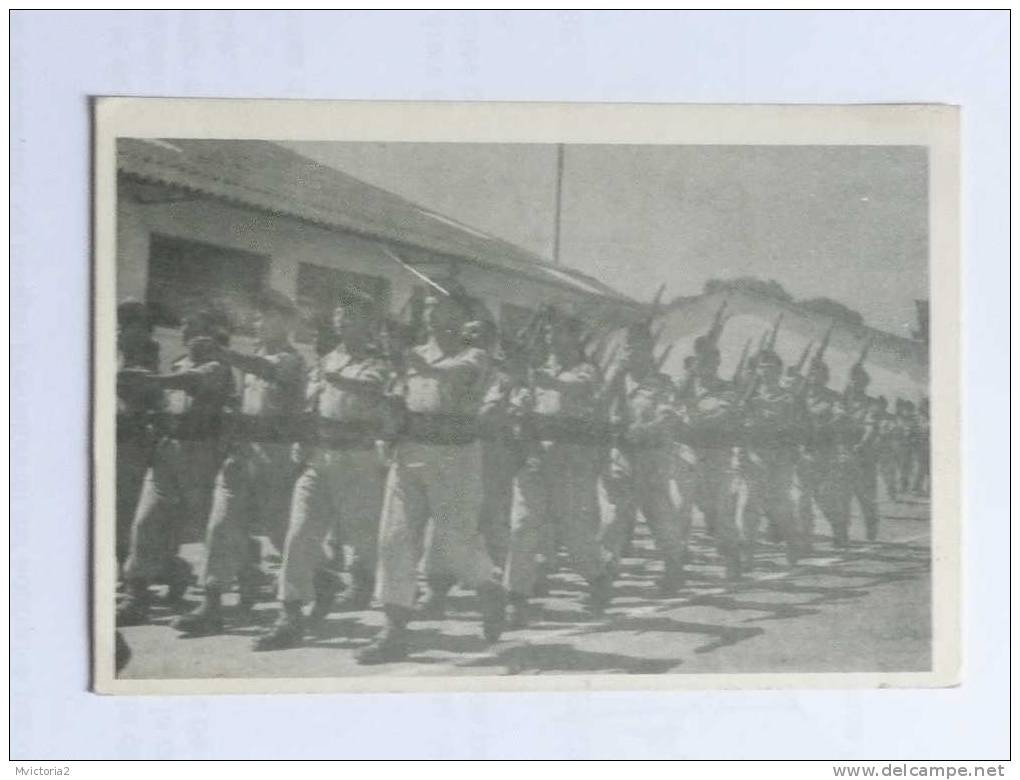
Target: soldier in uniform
x=921, y=445
x=177, y=490
x=822, y=469
x=707, y=452
x=640, y=472
x=138, y=354
x=501, y=453
x=887, y=446
x=769, y=460
x=906, y=417
x=435, y=474
x=861, y=437
x=565, y=435
x=341, y=477
x=253, y=488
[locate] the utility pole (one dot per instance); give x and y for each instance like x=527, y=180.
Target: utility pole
x=559, y=203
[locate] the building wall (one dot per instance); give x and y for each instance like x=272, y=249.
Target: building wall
x=289, y=243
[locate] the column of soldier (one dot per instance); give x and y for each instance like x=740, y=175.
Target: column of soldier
x=462, y=455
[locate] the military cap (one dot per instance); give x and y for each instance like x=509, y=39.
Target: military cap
x=819, y=366
x=859, y=375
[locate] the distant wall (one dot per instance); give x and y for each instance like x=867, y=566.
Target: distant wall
x=898, y=366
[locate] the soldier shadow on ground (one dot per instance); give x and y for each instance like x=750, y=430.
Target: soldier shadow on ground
x=561, y=657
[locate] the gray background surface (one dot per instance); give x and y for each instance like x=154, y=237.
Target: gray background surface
x=58, y=59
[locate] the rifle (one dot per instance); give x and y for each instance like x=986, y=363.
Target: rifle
x=661, y=360
x=712, y=336
x=415, y=272
x=742, y=363
x=802, y=361
x=820, y=354
x=774, y=336
x=859, y=363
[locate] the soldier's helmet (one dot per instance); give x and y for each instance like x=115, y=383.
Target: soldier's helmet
x=859, y=377
x=704, y=345
x=131, y=311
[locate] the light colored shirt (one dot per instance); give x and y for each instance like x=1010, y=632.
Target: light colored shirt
x=282, y=394
x=568, y=392
x=451, y=383
x=364, y=401
x=211, y=392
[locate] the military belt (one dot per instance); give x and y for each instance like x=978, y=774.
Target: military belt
x=445, y=429
x=566, y=430
x=189, y=426
x=132, y=427
x=268, y=428
x=347, y=434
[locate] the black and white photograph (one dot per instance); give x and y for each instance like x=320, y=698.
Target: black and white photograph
x=446, y=412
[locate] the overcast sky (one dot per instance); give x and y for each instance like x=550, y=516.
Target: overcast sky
x=849, y=223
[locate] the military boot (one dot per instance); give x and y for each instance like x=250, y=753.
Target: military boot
x=517, y=610
x=433, y=606
x=326, y=584
x=392, y=642
x=207, y=619
x=358, y=595
x=288, y=631
x=871, y=530
x=840, y=537
x=178, y=577
x=600, y=591
x=735, y=566
x=492, y=600
x=672, y=580
x=134, y=609
x=541, y=587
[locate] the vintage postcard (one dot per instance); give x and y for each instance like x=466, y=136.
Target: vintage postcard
x=518, y=397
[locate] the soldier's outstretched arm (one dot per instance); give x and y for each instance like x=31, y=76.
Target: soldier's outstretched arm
x=205, y=377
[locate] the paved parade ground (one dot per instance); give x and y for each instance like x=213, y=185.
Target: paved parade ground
x=866, y=609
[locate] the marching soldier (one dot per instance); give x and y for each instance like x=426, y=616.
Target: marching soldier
x=906, y=417
x=921, y=444
x=253, y=487
x=770, y=460
x=823, y=465
x=138, y=355
x=341, y=477
x=565, y=436
x=501, y=452
x=861, y=439
x=888, y=447
x=641, y=469
x=179, y=481
x=707, y=451
x=435, y=475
